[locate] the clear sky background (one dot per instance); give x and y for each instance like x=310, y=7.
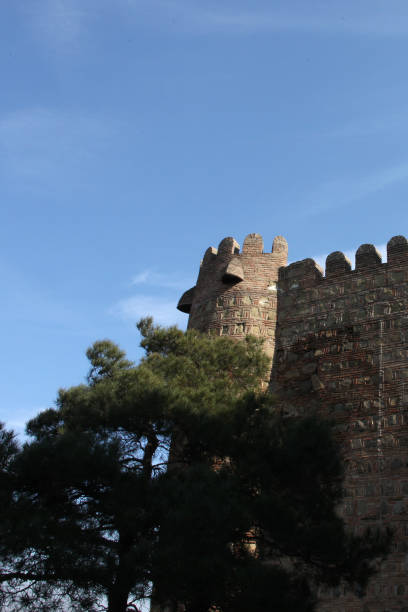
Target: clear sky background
x=136, y=133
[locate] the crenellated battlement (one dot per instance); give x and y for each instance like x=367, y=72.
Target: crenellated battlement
x=337, y=263
x=229, y=265
x=236, y=290
x=367, y=256
x=301, y=272
x=227, y=247
x=251, y=268
x=253, y=245
x=307, y=272
x=397, y=250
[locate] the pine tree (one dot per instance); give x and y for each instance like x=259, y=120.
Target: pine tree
x=176, y=473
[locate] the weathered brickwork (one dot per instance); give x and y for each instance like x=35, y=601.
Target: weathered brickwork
x=339, y=345
x=236, y=293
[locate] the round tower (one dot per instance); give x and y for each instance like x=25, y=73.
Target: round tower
x=236, y=291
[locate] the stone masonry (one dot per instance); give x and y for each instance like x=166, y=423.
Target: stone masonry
x=338, y=344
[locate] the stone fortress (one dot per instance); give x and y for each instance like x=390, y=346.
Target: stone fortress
x=338, y=344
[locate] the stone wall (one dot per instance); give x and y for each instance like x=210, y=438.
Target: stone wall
x=339, y=345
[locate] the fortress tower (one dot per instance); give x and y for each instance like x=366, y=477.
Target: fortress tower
x=338, y=344
x=236, y=292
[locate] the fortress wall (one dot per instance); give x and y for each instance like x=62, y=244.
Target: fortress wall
x=338, y=343
x=342, y=349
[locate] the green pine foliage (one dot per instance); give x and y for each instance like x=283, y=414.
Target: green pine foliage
x=178, y=473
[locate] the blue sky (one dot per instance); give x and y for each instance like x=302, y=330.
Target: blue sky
x=136, y=133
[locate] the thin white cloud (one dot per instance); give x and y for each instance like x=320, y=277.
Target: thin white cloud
x=342, y=192
x=141, y=278
x=367, y=17
x=163, y=310
x=65, y=25
x=157, y=279
x=159, y=301
x=390, y=123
